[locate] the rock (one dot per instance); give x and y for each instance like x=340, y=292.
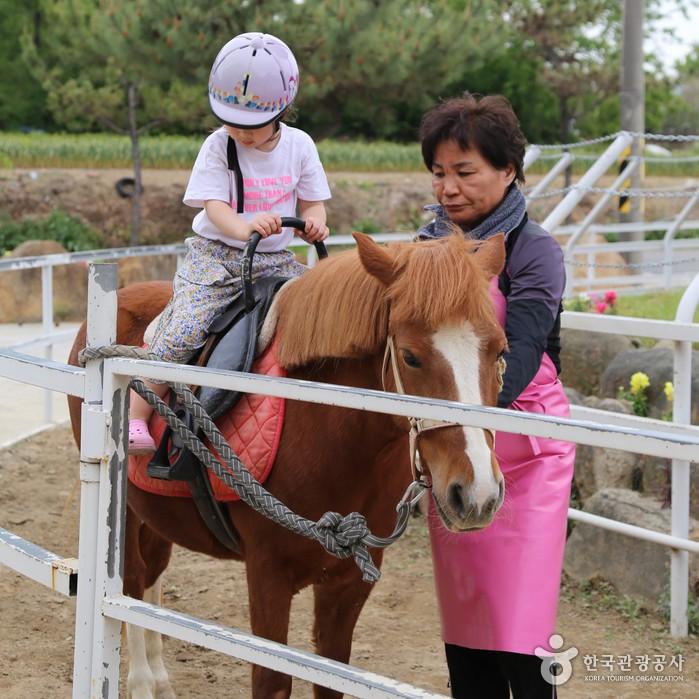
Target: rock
x=657, y=364
x=637, y=568
x=597, y=468
x=574, y=397
x=611, y=404
x=586, y=355
x=20, y=291
x=143, y=269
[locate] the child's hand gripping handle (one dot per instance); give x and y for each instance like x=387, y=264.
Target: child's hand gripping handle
x=249, y=252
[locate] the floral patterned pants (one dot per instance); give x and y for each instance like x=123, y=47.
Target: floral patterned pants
x=205, y=285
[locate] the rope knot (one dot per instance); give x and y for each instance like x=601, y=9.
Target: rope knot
x=343, y=533
x=344, y=537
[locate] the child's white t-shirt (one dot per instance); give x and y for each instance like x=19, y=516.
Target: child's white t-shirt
x=273, y=182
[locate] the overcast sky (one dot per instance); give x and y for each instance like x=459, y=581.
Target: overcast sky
x=687, y=34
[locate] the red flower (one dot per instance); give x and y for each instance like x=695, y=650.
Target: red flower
x=610, y=297
x=600, y=307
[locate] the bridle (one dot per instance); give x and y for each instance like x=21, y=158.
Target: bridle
x=420, y=425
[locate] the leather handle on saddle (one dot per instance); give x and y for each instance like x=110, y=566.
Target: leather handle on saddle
x=249, y=252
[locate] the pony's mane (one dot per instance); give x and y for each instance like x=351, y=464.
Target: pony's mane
x=339, y=310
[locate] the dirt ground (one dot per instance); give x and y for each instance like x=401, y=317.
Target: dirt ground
x=397, y=635
x=361, y=201
x=367, y=201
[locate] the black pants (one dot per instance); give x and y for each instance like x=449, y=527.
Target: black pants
x=491, y=674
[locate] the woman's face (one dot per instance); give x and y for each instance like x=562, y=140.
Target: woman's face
x=466, y=184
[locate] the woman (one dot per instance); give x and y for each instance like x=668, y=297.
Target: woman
x=498, y=587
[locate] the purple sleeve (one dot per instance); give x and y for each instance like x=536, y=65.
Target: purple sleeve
x=535, y=269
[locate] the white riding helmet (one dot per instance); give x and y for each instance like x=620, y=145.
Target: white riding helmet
x=253, y=80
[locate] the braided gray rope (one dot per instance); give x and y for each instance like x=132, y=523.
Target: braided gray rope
x=341, y=536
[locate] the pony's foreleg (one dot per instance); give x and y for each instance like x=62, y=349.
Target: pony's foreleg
x=148, y=678
x=270, y=593
x=338, y=604
x=154, y=648
x=147, y=555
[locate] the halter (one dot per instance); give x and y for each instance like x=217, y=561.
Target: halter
x=420, y=425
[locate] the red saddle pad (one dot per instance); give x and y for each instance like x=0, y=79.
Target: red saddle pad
x=253, y=428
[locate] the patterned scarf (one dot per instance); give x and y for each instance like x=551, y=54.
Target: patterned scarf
x=505, y=218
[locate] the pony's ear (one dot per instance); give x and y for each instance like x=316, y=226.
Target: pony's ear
x=491, y=254
x=376, y=259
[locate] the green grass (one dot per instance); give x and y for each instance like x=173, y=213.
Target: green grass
x=656, y=306
x=174, y=152
x=660, y=305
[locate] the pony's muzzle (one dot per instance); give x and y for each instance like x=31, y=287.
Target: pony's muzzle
x=468, y=511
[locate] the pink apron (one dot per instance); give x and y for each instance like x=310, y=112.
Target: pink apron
x=498, y=588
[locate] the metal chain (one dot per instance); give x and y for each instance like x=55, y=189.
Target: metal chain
x=602, y=139
x=667, y=160
x=647, y=193
x=341, y=536
x=632, y=265
x=576, y=144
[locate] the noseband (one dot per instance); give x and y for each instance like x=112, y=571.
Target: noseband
x=417, y=425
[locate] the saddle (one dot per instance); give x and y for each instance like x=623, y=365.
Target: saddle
x=231, y=345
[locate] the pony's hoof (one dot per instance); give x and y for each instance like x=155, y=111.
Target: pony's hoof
x=163, y=690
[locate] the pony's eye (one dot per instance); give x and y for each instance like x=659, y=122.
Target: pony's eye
x=410, y=359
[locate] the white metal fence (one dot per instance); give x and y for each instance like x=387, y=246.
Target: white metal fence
x=101, y=606
x=666, y=263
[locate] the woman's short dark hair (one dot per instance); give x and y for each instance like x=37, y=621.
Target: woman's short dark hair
x=487, y=124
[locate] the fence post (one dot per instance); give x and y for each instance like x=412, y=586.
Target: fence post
x=596, y=210
x=681, y=414
x=670, y=236
x=531, y=155
x=111, y=525
x=550, y=176
x=101, y=330
x=47, y=328
x=598, y=168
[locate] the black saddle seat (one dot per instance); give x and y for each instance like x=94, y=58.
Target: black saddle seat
x=237, y=331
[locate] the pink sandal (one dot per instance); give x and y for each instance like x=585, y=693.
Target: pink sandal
x=140, y=441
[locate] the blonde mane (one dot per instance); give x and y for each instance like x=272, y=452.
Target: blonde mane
x=339, y=310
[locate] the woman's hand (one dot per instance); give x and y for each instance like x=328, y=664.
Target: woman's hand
x=315, y=232
x=266, y=224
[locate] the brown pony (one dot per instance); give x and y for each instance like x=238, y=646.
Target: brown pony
x=432, y=298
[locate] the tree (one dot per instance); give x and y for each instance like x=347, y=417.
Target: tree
x=682, y=113
x=24, y=101
x=375, y=67
x=112, y=64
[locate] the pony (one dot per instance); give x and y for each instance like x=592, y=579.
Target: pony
x=430, y=301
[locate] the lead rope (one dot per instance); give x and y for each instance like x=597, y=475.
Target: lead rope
x=341, y=536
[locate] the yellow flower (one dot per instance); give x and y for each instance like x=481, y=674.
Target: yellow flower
x=639, y=382
x=669, y=390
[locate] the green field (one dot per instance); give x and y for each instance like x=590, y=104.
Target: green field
x=178, y=152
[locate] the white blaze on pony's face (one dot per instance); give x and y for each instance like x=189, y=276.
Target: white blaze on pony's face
x=448, y=345
x=476, y=503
